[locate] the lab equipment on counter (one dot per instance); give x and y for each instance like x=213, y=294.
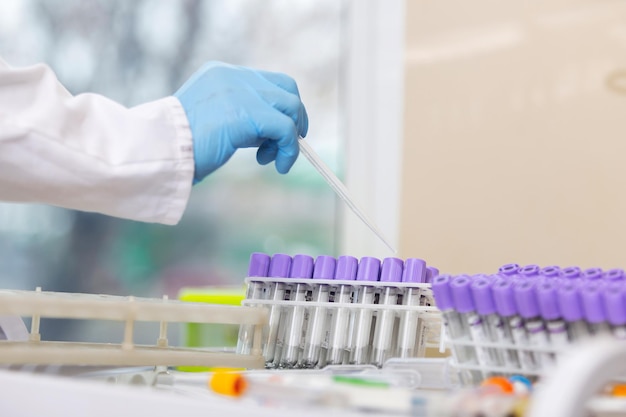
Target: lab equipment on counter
x=353, y=314
x=372, y=393
x=128, y=310
x=340, y=189
x=537, y=315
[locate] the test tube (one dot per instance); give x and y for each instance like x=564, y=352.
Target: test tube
x=509, y=269
x=529, y=271
x=431, y=273
x=551, y=271
x=593, y=273
x=301, y=267
x=570, y=306
x=502, y=329
x=390, y=272
x=513, y=328
x=317, y=324
x=528, y=309
x=409, y=345
x=616, y=274
x=338, y=341
x=613, y=298
x=258, y=267
x=280, y=265
x=368, y=271
x=571, y=272
x=492, y=323
x=464, y=305
x=549, y=310
x=591, y=295
x=454, y=326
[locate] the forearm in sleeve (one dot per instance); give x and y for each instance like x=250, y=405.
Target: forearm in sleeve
x=89, y=153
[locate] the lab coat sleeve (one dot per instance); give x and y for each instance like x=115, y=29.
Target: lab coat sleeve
x=89, y=153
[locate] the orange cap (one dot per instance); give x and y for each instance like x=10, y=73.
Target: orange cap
x=619, y=390
x=498, y=381
x=228, y=383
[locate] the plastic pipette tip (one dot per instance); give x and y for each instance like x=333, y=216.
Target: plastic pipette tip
x=340, y=189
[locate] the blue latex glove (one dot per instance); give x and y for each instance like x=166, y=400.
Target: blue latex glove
x=231, y=107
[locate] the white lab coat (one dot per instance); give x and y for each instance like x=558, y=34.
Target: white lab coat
x=89, y=153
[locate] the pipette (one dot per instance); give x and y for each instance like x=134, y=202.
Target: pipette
x=340, y=189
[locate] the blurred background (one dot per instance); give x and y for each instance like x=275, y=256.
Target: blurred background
x=143, y=50
x=474, y=134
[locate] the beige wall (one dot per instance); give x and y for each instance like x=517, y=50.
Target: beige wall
x=514, y=139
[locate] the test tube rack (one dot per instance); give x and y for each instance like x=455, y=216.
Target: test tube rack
x=355, y=322
x=522, y=320
x=28, y=348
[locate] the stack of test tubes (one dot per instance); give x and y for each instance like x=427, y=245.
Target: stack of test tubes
x=521, y=319
x=340, y=311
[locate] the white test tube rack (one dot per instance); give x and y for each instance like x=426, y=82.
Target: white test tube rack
x=129, y=310
x=428, y=316
x=486, y=370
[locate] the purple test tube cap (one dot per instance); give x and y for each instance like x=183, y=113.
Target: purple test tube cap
x=571, y=272
x=391, y=270
x=431, y=273
x=482, y=296
x=569, y=301
x=615, y=274
x=462, y=294
x=259, y=265
x=550, y=271
x=591, y=295
x=414, y=271
x=346, y=268
x=529, y=271
x=547, y=299
x=525, y=299
x=509, y=269
x=324, y=267
x=442, y=293
x=369, y=269
x=301, y=267
x=592, y=273
x=613, y=300
x=280, y=264
x=503, y=297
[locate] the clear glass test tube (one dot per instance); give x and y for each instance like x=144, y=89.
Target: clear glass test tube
x=591, y=296
x=368, y=271
x=280, y=265
x=464, y=305
x=455, y=327
x=339, y=334
x=536, y=332
x=512, y=331
x=382, y=349
x=258, y=267
x=570, y=307
x=314, y=348
x=613, y=296
x=410, y=340
x=492, y=323
x=547, y=299
x=301, y=270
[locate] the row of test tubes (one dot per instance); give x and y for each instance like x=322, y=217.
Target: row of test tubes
x=338, y=311
x=518, y=320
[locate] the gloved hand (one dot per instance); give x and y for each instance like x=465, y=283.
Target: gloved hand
x=231, y=107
